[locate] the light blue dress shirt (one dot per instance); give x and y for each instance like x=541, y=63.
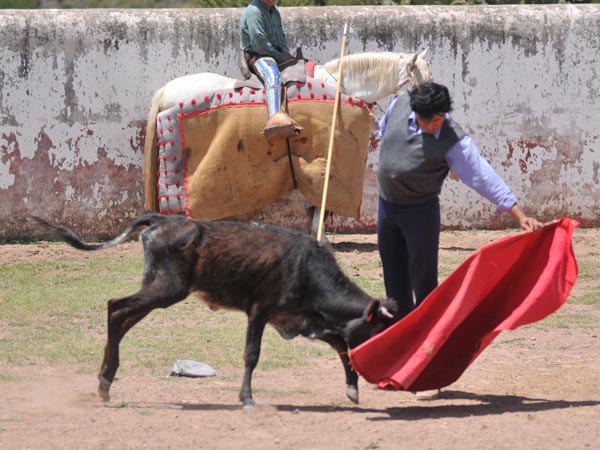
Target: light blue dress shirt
x=466, y=161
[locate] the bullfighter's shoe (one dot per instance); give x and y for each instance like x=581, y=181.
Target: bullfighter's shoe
x=432, y=394
x=281, y=126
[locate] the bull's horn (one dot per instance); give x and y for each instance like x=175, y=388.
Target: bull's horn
x=424, y=52
x=384, y=312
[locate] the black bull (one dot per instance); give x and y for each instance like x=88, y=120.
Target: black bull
x=274, y=275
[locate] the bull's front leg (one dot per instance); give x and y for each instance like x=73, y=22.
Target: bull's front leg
x=340, y=346
x=254, y=333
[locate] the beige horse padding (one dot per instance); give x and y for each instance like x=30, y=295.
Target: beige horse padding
x=229, y=168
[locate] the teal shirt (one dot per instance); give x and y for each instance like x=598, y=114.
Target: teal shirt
x=261, y=31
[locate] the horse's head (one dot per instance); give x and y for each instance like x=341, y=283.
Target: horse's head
x=373, y=76
x=415, y=71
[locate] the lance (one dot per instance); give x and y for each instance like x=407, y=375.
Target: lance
x=331, y=136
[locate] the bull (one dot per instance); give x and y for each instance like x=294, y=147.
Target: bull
x=274, y=275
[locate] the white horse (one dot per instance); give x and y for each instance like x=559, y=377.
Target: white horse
x=370, y=76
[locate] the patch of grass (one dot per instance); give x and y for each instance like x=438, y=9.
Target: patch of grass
x=588, y=271
x=510, y=341
x=7, y=378
x=373, y=286
x=449, y=265
x=590, y=299
x=367, y=265
x=56, y=312
x=7, y=420
x=566, y=320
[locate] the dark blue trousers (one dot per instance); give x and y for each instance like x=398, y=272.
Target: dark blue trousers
x=408, y=238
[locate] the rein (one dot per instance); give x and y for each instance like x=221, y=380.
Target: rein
x=289, y=154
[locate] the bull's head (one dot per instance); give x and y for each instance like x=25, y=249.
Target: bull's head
x=377, y=316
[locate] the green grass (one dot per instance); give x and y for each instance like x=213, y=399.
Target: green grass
x=56, y=312
x=373, y=286
x=588, y=271
x=566, y=321
x=449, y=265
x=591, y=298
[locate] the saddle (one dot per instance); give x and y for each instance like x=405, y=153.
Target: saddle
x=247, y=72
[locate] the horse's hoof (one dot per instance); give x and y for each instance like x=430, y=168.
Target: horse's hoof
x=352, y=393
x=103, y=389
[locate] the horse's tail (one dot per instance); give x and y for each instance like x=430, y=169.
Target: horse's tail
x=71, y=238
x=151, y=154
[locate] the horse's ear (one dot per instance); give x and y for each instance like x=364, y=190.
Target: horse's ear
x=423, y=53
x=413, y=60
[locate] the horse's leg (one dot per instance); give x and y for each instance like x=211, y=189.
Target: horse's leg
x=340, y=346
x=254, y=333
x=314, y=219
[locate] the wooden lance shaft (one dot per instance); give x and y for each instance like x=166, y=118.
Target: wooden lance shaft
x=330, y=151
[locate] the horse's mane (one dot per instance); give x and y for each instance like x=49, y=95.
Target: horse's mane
x=376, y=67
x=375, y=75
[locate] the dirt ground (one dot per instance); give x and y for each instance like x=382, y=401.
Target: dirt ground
x=531, y=389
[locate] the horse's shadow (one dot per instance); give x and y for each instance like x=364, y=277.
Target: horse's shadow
x=488, y=405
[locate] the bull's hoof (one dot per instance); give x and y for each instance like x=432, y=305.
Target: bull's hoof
x=352, y=393
x=249, y=406
x=103, y=389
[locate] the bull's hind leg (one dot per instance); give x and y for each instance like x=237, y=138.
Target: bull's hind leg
x=340, y=346
x=254, y=333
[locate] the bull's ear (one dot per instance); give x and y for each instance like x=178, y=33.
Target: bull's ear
x=372, y=310
x=187, y=235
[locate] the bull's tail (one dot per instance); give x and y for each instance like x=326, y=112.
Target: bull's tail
x=151, y=153
x=71, y=238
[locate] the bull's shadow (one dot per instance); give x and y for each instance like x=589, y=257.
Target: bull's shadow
x=489, y=405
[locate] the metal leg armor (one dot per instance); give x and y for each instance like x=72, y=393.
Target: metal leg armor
x=280, y=125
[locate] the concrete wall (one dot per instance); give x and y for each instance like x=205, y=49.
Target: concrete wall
x=75, y=87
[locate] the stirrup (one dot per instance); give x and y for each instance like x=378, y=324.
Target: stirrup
x=281, y=126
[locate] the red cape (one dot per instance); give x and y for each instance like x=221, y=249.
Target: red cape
x=511, y=282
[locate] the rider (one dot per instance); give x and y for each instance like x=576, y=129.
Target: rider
x=265, y=47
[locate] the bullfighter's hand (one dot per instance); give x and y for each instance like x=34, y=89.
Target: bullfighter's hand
x=530, y=224
x=524, y=221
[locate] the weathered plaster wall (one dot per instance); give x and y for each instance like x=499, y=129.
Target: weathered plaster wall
x=75, y=87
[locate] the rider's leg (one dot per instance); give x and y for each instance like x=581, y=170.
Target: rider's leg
x=280, y=125
x=267, y=70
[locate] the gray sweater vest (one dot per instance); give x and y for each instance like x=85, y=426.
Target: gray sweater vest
x=412, y=168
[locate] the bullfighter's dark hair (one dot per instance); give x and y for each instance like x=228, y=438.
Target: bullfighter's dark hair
x=430, y=98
